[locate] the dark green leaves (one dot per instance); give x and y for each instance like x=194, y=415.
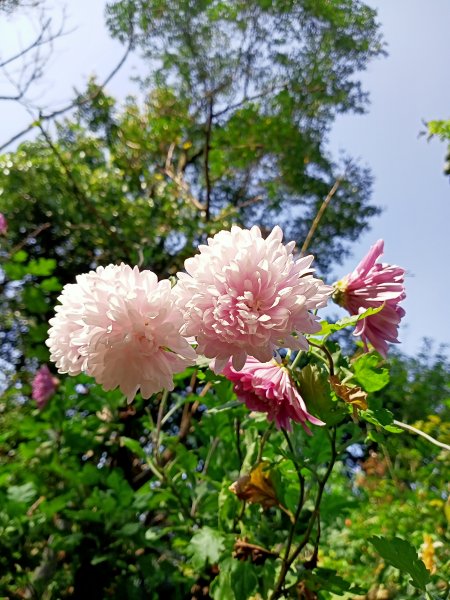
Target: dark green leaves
x=400, y=554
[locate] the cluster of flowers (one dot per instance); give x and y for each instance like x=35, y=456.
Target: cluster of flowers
x=240, y=299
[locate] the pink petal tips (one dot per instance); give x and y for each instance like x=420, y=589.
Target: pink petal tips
x=267, y=387
x=120, y=326
x=373, y=284
x=243, y=295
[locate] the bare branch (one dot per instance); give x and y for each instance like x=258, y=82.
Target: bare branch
x=31, y=59
x=319, y=215
x=177, y=178
x=39, y=41
x=42, y=117
x=208, y=128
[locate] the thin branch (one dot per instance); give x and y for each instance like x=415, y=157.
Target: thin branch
x=75, y=103
x=208, y=129
x=262, y=443
x=37, y=42
x=178, y=179
x=235, y=209
x=30, y=236
x=328, y=354
x=162, y=407
x=301, y=480
x=246, y=99
x=314, y=516
x=432, y=440
x=79, y=194
x=237, y=428
x=319, y=215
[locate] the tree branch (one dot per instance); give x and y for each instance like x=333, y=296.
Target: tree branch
x=432, y=440
x=75, y=103
x=208, y=128
x=319, y=215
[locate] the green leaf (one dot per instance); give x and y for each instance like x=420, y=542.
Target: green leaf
x=22, y=493
x=51, y=284
x=381, y=417
x=42, y=267
x=236, y=580
x=329, y=580
x=130, y=529
x=20, y=256
x=227, y=406
x=368, y=374
x=206, y=547
x=316, y=391
x=400, y=554
x=329, y=328
x=133, y=445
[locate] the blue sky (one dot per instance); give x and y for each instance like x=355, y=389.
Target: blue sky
x=407, y=87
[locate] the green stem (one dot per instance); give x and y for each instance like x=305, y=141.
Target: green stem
x=264, y=439
x=288, y=561
x=328, y=355
x=432, y=440
x=301, y=480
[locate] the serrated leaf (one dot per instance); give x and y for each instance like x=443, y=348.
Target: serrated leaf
x=368, y=373
x=381, y=417
x=42, y=266
x=206, y=547
x=400, y=554
x=329, y=328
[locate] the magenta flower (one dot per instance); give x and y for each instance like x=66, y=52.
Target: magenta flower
x=3, y=224
x=267, y=387
x=120, y=326
x=245, y=295
x=43, y=386
x=373, y=284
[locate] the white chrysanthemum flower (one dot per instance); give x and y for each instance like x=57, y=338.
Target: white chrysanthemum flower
x=122, y=327
x=245, y=295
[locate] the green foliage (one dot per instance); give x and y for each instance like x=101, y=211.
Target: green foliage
x=439, y=128
x=369, y=374
x=400, y=554
x=264, y=82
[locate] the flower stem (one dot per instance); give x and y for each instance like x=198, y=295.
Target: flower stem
x=289, y=560
x=432, y=440
x=328, y=354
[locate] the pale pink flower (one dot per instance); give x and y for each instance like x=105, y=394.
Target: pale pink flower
x=43, y=386
x=3, y=224
x=120, y=326
x=373, y=284
x=245, y=295
x=268, y=387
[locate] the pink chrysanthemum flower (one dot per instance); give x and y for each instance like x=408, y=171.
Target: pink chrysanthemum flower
x=245, y=295
x=267, y=387
x=43, y=386
x=3, y=224
x=373, y=284
x=120, y=326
